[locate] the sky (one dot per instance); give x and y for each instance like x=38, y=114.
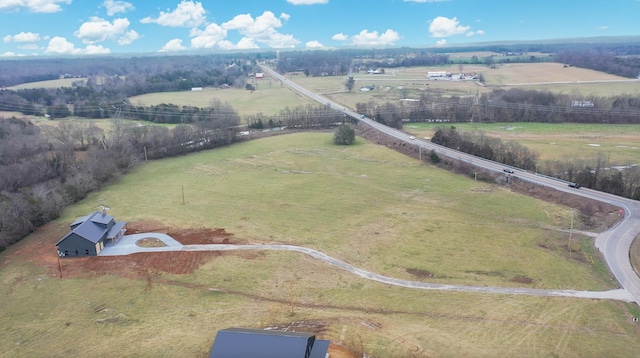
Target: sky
x=82, y=27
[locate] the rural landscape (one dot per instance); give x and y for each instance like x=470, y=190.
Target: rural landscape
x=380, y=246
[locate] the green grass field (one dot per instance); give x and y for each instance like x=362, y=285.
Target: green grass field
x=617, y=144
x=364, y=204
x=268, y=98
x=63, y=82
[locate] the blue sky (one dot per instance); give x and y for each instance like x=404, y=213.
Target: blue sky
x=80, y=27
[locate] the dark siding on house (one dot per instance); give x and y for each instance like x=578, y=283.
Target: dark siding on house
x=74, y=245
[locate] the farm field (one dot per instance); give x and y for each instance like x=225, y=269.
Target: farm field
x=268, y=98
x=618, y=144
x=63, y=82
x=546, y=76
x=364, y=204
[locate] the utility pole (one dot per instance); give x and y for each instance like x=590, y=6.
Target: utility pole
x=570, y=232
x=292, y=295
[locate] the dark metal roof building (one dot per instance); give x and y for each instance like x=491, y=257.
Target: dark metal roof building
x=250, y=343
x=89, y=234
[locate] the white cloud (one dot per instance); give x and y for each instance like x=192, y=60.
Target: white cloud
x=186, y=14
x=22, y=37
x=262, y=29
x=445, y=27
x=600, y=28
x=115, y=6
x=173, y=45
x=98, y=30
x=340, y=37
x=60, y=45
x=441, y=43
x=366, y=38
x=474, y=33
x=314, y=44
x=8, y=54
x=39, y=6
x=128, y=38
x=246, y=43
x=209, y=38
x=307, y=2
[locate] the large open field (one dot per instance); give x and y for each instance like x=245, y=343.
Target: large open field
x=270, y=97
x=63, y=82
x=617, y=144
x=364, y=204
x=546, y=76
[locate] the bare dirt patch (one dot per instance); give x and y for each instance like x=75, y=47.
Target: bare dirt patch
x=522, y=279
x=419, y=273
x=41, y=250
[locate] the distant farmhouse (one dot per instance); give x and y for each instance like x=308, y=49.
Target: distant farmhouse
x=244, y=342
x=89, y=235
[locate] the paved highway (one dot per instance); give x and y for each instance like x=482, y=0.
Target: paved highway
x=614, y=243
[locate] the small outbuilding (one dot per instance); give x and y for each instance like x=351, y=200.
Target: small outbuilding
x=247, y=343
x=89, y=235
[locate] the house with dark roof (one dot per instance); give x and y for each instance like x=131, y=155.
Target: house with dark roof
x=89, y=235
x=250, y=343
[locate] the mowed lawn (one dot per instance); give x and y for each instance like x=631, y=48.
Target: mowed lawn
x=364, y=204
x=615, y=144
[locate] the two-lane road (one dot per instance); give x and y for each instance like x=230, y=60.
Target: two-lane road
x=614, y=243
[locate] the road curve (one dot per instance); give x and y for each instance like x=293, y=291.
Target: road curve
x=614, y=243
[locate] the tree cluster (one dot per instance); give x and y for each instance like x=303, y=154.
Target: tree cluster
x=301, y=117
x=477, y=143
x=344, y=135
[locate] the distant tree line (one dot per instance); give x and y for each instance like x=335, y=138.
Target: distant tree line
x=513, y=105
x=157, y=69
x=112, y=80
x=601, y=60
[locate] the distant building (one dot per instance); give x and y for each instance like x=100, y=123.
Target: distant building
x=437, y=74
x=582, y=104
x=196, y=89
x=89, y=235
x=259, y=74
x=249, y=343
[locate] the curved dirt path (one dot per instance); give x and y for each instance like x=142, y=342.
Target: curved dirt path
x=619, y=294
x=127, y=245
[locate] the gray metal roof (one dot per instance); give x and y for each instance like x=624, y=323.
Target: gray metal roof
x=249, y=343
x=93, y=227
x=115, y=229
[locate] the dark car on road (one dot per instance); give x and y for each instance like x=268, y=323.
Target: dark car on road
x=574, y=185
x=507, y=170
